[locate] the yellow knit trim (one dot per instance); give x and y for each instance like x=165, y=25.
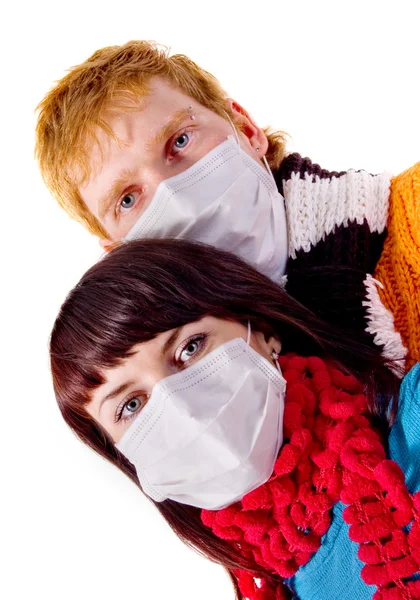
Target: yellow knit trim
x=399, y=266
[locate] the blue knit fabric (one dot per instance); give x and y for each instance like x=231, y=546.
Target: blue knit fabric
x=334, y=571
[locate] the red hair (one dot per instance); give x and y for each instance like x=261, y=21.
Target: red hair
x=113, y=78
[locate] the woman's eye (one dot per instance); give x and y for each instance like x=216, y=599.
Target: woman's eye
x=131, y=407
x=192, y=348
x=181, y=141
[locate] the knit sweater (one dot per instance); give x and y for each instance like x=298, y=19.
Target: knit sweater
x=294, y=526
x=398, y=268
x=337, y=227
x=334, y=571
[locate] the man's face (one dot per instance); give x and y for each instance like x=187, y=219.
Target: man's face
x=155, y=142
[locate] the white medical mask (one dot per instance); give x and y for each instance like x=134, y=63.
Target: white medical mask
x=211, y=433
x=227, y=200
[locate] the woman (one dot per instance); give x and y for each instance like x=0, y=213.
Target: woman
x=177, y=362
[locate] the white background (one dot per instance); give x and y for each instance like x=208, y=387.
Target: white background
x=341, y=77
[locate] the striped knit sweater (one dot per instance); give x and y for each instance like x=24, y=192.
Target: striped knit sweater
x=337, y=227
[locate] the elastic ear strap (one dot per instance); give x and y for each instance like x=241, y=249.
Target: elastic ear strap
x=249, y=333
x=233, y=127
x=268, y=169
x=275, y=356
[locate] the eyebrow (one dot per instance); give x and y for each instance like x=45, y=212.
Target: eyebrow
x=114, y=393
x=175, y=121
x=171, y=340
x=123, y=179
x=126, y=175
x=121, y=388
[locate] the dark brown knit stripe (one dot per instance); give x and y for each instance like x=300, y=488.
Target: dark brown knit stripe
x=329, y=279
x=351, y=245
x=295, y=163
x=335, y=294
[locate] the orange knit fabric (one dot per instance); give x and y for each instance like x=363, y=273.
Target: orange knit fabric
x=399, y=266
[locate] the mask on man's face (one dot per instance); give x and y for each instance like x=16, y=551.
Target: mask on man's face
x=227, y=200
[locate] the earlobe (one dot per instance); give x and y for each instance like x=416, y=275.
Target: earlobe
x=275, y=345
x=268, y=344
x=107, y=245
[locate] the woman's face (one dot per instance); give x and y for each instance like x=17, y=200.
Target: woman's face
x=129, y=385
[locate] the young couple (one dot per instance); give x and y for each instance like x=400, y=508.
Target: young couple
x=249, y=386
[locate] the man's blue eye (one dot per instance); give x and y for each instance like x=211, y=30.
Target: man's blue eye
x=128, y=201
x=182, y=141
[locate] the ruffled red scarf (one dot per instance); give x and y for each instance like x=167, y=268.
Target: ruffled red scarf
x=332, y=454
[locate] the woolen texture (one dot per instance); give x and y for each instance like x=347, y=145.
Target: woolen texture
x=398, y=268
x=338, y=223
x=332, y=455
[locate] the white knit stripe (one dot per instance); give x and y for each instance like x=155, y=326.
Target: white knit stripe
x=315, y=206
x=381, y=325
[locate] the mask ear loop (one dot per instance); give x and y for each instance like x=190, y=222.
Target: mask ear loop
x=248, y=339
x=269, y=170
x=265, y=161
x=234, y=128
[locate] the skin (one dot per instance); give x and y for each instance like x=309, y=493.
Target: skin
x=129, y=385
x=155, y=143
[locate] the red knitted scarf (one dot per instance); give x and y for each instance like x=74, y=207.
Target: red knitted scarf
x=331, y=453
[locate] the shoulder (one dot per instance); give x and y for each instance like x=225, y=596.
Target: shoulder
x=405, y=196
x=404, y=437
x=302, y=167
x=408, y=414
x=410, y=390
x=410, y=177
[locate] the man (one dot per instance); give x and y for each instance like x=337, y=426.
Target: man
x=134, y=143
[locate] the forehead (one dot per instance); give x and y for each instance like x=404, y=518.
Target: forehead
x=140, y=354
x=136, y=121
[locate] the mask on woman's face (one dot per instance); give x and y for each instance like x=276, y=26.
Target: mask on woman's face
x=211, y=433
x=227, y=200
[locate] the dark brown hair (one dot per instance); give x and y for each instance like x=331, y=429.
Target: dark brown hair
x=147, y=287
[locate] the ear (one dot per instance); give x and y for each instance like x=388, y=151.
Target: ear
x=274, y=344
x=246, y=125
x=265, y=344
x=107, y=245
